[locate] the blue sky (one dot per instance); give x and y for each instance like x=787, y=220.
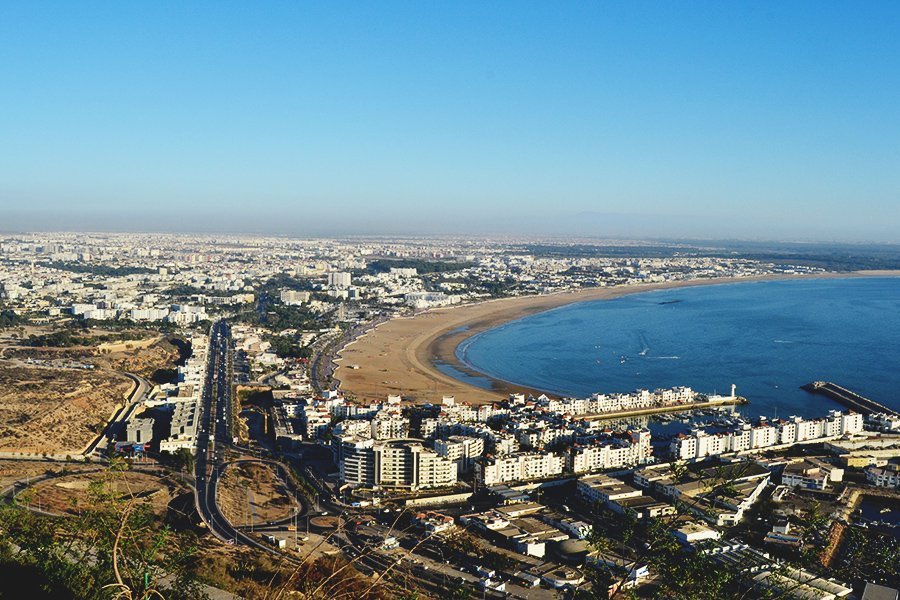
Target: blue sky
x=758, y=119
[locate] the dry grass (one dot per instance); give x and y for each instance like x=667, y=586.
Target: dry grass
x=64, y=495
x=142, y=362
x=54, y=410
x=14, y=470
x=59, y=411
x=254, y=489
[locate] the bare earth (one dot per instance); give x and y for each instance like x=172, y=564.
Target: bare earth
x=253, y=491
x=398, y=356
x=67, y=495
x=15, y=470
x=55, y=411
x=50, y=409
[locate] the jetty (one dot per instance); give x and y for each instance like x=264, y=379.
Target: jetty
x=849, y=399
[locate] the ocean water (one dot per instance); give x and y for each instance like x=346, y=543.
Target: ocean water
x=768, y=338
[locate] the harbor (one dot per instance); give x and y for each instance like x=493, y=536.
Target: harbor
x=712, y=403
x=849, y=399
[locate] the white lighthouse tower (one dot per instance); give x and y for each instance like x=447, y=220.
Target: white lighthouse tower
x=733, y=387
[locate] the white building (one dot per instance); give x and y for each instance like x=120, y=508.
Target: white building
x=462, y=450
x=338, y=280
x=430, y=299
x=887, y=476
x=389, y=426
x=766, y=434
x=521, y=466
x=293, y=297
x=610, y=453
x=883, y=422
x=595, y=489
x=811, y=474
x=183, y=430
x=149, y=314
x=315, y=420
x=396, y=464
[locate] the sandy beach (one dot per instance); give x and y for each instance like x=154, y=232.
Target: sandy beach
x=399, y=356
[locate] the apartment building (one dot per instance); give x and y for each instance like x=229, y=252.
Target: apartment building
x=397, y=464
x=462, y=450
x=610, y=452
x=520, y=466
x=765, y=434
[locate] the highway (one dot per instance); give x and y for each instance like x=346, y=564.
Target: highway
x=214, y=445
x=215, y=398
x=119, y=420
x=214, y=438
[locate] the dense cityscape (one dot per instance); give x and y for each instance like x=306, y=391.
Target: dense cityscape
x=447, y=301
x=231, y=352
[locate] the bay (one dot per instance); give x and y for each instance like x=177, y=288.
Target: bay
x=768, y=338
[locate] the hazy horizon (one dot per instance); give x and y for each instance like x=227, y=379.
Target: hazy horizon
x=583, y=226
x=746, y=121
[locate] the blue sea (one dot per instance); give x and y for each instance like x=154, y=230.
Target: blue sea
x=768, y=338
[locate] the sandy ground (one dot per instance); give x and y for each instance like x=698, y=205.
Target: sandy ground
x=398, y=356
x=46, y=408
x=56, y=411
x=15, y=470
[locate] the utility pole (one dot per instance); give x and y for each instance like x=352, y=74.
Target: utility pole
x=250, y=509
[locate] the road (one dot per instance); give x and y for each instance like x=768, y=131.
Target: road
x=289, y=483
x=216, y=392
x=214, y=439
x=119, y=420
x=214, y=445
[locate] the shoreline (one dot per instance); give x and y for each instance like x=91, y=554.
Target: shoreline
x=401, y=356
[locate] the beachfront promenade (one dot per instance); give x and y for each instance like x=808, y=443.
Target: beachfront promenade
x=415, y=356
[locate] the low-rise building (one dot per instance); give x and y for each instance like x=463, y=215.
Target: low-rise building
x=887, y=476
x=811, y=473
x=602, y=489
x=694, y=532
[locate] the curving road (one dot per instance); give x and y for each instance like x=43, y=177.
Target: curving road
x=214, y=440
x=141, y=386
x=214, y=444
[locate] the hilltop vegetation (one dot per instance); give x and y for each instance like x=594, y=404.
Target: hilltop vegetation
x=100, y=270
x=421, y=266
x=9, y=318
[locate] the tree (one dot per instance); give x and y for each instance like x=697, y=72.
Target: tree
x=184, y=460
x=114, y=547
x=681, y=573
